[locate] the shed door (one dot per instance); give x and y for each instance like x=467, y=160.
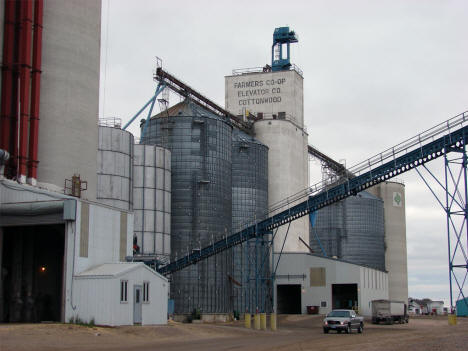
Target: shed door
x=137, y=304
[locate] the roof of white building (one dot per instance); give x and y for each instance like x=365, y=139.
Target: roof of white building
x=113, y=270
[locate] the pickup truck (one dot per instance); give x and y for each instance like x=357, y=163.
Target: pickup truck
x=343, y=320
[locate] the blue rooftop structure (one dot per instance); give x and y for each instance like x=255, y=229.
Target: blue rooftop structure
x=282, y=36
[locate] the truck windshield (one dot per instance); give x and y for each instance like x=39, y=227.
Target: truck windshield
x=338, y=314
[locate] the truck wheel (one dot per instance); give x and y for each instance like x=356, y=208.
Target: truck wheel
x=325, y=330
x=348, y=329
x=360, y=329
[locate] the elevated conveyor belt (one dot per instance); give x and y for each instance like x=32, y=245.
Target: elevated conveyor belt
x=399, y=159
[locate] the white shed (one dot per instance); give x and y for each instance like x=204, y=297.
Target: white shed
x=435, y=307
x=120, y=294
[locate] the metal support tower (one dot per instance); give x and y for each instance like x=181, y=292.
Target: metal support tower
x=454, y=201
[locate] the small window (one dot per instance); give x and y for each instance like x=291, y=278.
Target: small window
x=145, y=291
x=123, y=290
x=323, y=304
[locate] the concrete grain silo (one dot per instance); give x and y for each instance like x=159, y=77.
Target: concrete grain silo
x=393, y=195
x=274, y=95
x=54, y=91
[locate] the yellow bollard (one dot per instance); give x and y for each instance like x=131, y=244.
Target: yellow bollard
x=452, y=319
x=273, y=321
x=256, y=321
x=263, y=321
x=247, y=320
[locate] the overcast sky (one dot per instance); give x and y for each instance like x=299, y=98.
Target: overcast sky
x=375, y=74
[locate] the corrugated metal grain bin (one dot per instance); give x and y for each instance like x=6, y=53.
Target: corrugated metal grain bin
x=249, y=204
x=152, y=200
x=200, y=143
x=352, y=230
x=115, y=163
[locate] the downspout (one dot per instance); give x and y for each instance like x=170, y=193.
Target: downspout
x=25, y=82
x=35, y=92
x=15, y=81
x=7, y=76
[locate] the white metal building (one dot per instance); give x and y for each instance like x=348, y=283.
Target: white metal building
x=304, y=279
x=121, y=294
x=49, y=240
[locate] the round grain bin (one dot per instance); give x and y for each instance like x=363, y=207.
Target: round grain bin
x=352, y=230
x=115, y=163
x=200, y=143
x=152, y=200
x=249, y=204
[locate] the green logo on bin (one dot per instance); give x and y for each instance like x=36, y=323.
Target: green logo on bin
x=397, y=198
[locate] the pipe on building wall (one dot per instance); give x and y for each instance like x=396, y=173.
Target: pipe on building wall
x=4, y=157
x=7, y=75
x=25, y=84
x=35, y=92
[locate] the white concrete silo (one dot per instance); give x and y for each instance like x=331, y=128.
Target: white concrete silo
x=277, y=99
x=69, y=93
x=393, y=195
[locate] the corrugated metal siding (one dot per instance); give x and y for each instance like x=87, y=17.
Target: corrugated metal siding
x=99, y=298
x=249, y=203
x=201, y=211
x=352, y=230
x=84, y=229
x=152, y=199
x=115, y=163
x=123, y=235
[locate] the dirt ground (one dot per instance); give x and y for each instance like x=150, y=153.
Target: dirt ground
x=294, y=333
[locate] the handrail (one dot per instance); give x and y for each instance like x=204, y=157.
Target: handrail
x=405, y=156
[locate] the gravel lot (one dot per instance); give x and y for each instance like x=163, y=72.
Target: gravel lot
x=294, y=333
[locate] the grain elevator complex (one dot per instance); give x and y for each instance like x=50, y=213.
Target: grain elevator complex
x=97, y=226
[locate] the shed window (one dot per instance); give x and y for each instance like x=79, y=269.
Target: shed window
x=123, y=290
x=145, y=291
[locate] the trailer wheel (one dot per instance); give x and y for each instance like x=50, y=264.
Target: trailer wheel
x=360, y=329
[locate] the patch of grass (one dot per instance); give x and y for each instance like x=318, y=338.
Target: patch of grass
x=78, y=321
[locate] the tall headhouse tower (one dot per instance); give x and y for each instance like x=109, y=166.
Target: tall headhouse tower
x=272, y=98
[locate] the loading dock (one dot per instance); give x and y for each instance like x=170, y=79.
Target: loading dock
x=289, y=298
x=32, y=273
x=344, y=296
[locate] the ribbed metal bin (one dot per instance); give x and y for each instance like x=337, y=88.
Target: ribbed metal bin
x=115, y=163
x=352, y=230
x=201, y=212
x=152, y=199
x=249, y=203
